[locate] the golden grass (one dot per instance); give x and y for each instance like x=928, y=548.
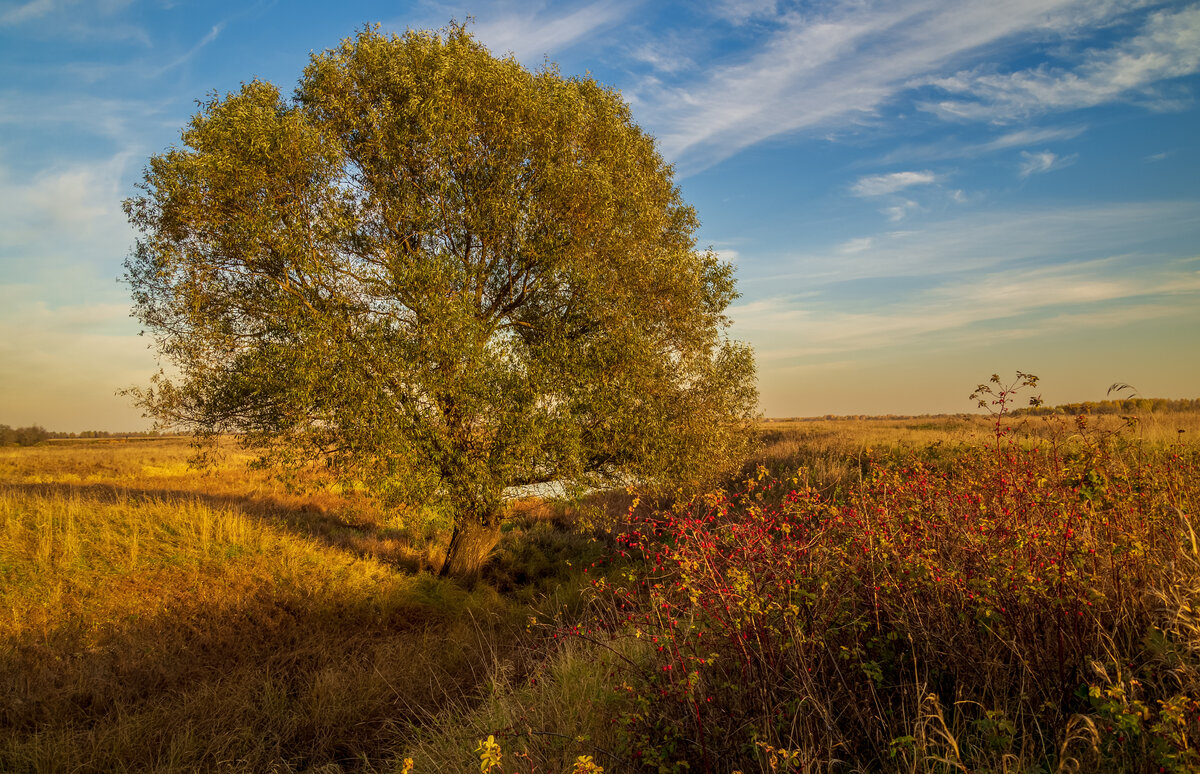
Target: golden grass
x=159, y=471
x=157, y=618
x=831, y=454
x=850, y=434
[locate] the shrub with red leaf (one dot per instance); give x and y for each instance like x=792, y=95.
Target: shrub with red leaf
x=837, y=629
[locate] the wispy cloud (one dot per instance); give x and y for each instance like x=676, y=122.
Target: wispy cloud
x=1012, y=303
x=857, y=245
x=742, y=11
x=899, y=211
x=1013, y=280
x=63, y=229
x=531, y=31
x=47, y=350
x=1044, y=161
x=1167, y=47
x=835, y=65
x=898, y=208
x=122, y=121
x=72, y=202
x=23, y=13
x=668, y=54
x=950, y=149
x=66, y=338
x=91, y=30
x=69, y=20
x=728, y=254
x=1023, y=137
x=880, y=185
x=988, y=241
x=191, y=52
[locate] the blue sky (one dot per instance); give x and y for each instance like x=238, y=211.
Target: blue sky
x=916, y=193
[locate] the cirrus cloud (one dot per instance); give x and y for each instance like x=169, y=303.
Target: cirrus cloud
x=880, y=185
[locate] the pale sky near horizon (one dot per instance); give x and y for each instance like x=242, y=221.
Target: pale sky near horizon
x=916, y=193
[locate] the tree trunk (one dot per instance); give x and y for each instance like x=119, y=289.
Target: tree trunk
x=470, y=545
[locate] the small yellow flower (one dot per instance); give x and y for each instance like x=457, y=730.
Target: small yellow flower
x=585, y=765
x=489, y=754
x=408, y=766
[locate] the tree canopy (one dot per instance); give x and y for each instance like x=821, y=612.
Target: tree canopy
x=441, y=275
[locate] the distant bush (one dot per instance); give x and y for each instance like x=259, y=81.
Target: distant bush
x=22, y=436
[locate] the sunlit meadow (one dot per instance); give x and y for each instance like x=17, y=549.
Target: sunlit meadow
x=960, y=593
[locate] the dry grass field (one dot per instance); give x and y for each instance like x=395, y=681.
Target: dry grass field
x=154, y=617
x=832, y=452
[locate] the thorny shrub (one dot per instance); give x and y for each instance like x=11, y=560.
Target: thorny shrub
x=1038, y=590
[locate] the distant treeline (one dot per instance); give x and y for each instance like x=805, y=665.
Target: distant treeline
x=35, y=434
x=1126, y=406
x=107, y=434
x=882, y=417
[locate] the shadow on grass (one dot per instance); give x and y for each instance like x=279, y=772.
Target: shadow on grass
x=220, y=665
x=224, y=665
x=238, y=670
x=408, y=550
x=353, y=527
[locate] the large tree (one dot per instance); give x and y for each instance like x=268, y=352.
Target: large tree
x=442, y=276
